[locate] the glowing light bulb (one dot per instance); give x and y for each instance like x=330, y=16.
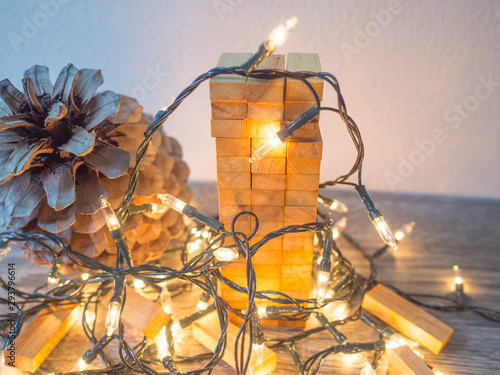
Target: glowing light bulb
x=336, y=310
x=258, y=354
x=226, y=254
x=89, y=317
x=112, y=317
x=157, y=208
x=109, y=215
x=262, y=311
x=405, y=230
x=53, y=282
x=81, y=364
x=172, y=202
x=166, y=300
x=265, y=149
x=139, y=284
x=385, y=232
x=321, y=285
x=161, y=343
x=201, y=305
x=280, y=34
x=338, y=227
x=437, y=372
x=4, y=250
x=458, y=275
x=398, y=340
x=368, y=370
x=338, y=206
x=85, y=276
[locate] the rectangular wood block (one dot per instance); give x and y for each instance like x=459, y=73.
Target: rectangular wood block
x=269, y=182
x=294, y=243
x=304, y=257
x=37, y=339
x=268, y=213
x=230, y=294
x=238, y=269
x=233, y=164
x=303, y=166
x=232, y=147
x=268, y=257
x=233, y=181
x=228, y=128
x=299, y=281
x=262, y=128
x=301, y=215
x=301, y=198
x=295, y=89
x=308, y=132
x=278, y=152
x=271, y=245
x=306, y=149
x=268, y=198
x=407, y=318
x=264, y=111
x=293, y=110
x=269, y=165
x=229, y=87
x=235, y=197
x=308, y=182
x=228, y=212
x=241, y=225
x=267, y=90
x=266, y=227
x=229, y=110
x=207, y=331
x=403, y=361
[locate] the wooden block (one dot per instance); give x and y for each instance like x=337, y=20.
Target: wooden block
x=294, y=243
x=207, y=331
x=238, y=269
x=271, y=245
x=232, y=147
x=308, y=132
x=229, y=87
x=229, y=110
x=269, y=182
x=306, y=149
x=293, y=110
x=307, y=182
x=302, y=166
x=268, y=257
x=403, y=361
x=268, y=213
x=301, y=198
x=233, y=181
x=266, y=227
x=299, y=282
x=141, y=313
x=262, y=129
x=267, y=90
x=228, y=212
x=264, y=111
x=295, y=270
x=230, y=294
x=298, y=295
x=291, y=323
x=233, y=164
x=235, y=197
x=278, y=152
x=269, y=165
x=301, y=215
x=408, y=318
x=37, y=340
x=304, y=257
x=244, y=226
x=268, y=198
x=228, y=128
x=297, y=90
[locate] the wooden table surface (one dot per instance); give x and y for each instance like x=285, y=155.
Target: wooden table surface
x=448, y=231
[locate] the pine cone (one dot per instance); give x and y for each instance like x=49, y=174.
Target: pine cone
x=62, y=146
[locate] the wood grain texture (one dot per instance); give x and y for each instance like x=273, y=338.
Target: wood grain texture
x=269, y=165
x=403, y=361
x=228, y=128
x=297, y=90
x=302, y=166
x=232, y=147
x=229, y=110
x=262, y=128
x=308, y=132
x=271, y=90
x=229, y=87
x=265, y=111
x=233, y=164
x=310, y=150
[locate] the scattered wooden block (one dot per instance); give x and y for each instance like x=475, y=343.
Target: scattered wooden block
x=268, y=213
x=268, y=257
x=228, y=212
x=269, y=165
x=235, y=197
x=232, y=147
x=228, y=128
x=307, y=182
x=294, y=243
x=301, y=198
x=297, y=90
x=278, y=152
x=268, y=198
x=269, y=182
x=266, y=227
x=262, y=128
x=271, y=245
x=207, y=331
x=269, y=90
x=306, y=150
x=302, y=166
x=304, y=257
x=37, y=340
x=229, y=87
x=301, y=215
x=233, y=180
x=403, y=361
x=141, y=313
x=293, y=110
x=233, y=164
x=308, y=132
x=229, y=110
x=264, y=111
x=407, y=318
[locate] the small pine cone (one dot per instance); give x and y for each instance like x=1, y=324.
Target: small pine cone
x=62, y=146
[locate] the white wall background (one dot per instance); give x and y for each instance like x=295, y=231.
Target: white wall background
x=412, y=73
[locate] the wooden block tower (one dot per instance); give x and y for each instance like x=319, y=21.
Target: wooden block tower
x=282, y=188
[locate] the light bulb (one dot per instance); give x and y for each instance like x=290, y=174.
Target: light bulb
x=109, y=215
x=405, y=230
x=262, y=311
x=321, y=285
x=385, y=232
x=112, y=317
x=172, y=202
x=157, y=208
x=53, y=282
x=258, y=354
x=226, y=254
x=458, y=275
x=338, y=206
x=437, y=372
x=338, y=227
x=4, y=250
x=89, y=317
x=201, y=305
x=138, y=284
x=280, y=34
x=81, y=364
x=161, y=343
x=368, y=370
x=398, y=340
x=166, y=300
x=265, y=149
x=85, y=276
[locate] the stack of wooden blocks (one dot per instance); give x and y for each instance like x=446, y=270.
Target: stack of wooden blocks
x=282, y=188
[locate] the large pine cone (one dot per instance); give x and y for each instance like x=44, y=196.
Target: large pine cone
x=62, y=146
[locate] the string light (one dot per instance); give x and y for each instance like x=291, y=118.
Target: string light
x=138, y=284
x=258, y=339
x=458, y=276
x=112, y=317
x=226, y=254
x=404, y=231
x=166, y=300
x=325, y=268
x=333, y=204
x=81, y=364
x=85, y=276
x=367, y=368
x=338, y=228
